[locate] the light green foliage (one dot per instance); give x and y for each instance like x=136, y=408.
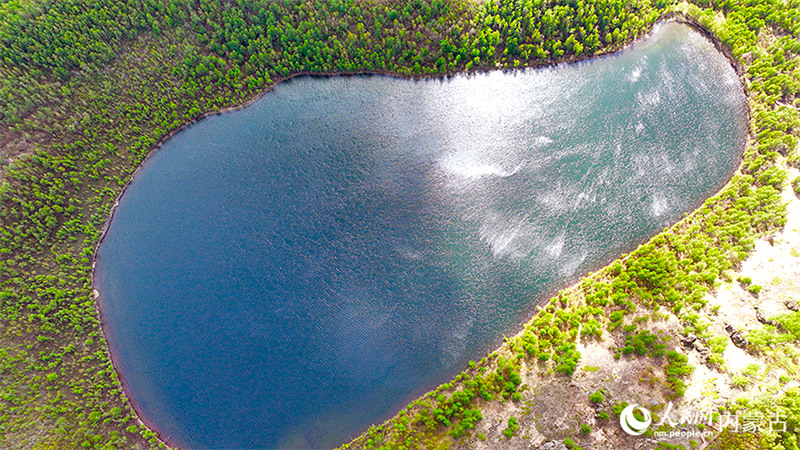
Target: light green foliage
x=677, y=369
x=512, y=428
x=740, y=382
x=752, y=370
x=783, y=409
x=763, y=338
x=717, y=345
x=790, y=322
x=668, y=446
x=793, y=160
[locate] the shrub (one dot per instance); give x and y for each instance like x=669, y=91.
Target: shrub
x=677, y=369
x=512, y=428
x=796, y=185
x=740, y=382
x=566, y=358
x=794, y=161
x=513, y=424
x=791, y=323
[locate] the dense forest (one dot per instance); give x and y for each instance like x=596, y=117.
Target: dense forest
x=89, y=87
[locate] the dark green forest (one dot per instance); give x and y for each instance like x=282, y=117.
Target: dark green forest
x=89, y=87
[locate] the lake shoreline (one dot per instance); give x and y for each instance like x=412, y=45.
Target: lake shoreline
x=672, y=16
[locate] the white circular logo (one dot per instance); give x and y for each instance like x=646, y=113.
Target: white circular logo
x=631, y=424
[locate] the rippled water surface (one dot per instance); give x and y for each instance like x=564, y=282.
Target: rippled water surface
x=287, y=274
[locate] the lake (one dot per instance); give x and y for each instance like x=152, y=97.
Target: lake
x=285, y=275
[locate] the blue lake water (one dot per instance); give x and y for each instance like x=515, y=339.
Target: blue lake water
x=285, y=275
